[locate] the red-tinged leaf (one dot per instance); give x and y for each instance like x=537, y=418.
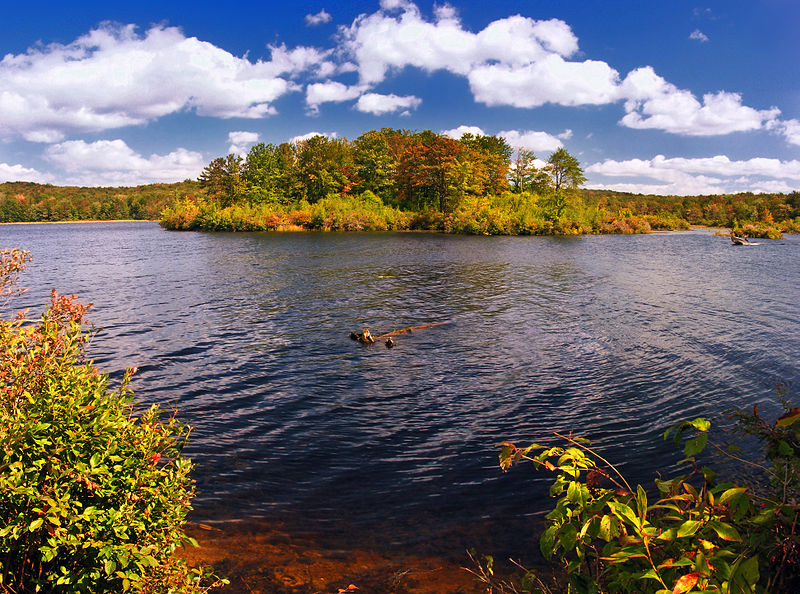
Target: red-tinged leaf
x=789, y=418
x=549, y=466
x=686, y=583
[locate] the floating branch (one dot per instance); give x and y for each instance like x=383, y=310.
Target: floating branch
x=366, y=337
x=410, y=329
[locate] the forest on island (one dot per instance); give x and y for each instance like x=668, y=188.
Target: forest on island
x=400, y=180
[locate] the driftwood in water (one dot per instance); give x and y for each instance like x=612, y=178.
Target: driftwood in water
x=366, y=337
x=409, y=329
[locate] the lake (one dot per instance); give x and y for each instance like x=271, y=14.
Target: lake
x=611, y=337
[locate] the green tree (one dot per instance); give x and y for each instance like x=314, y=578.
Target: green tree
x=525, y=176
x=565, y=170
x=325, y=166
x=491, y=158
x=376, y=164
x=223, y=179
x=263, y=174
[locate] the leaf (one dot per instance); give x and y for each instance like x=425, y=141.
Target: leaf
x=624, y=513
x=507, y=456
x=547, y=542
x=700, y=424
x=641, y=503
x=686, y=583
x=605, y=529
x=568, y=536
x=695, y=446
x=36, y=524
x=784, y=449
x=688, y=528
x=789, y=418
x=670, y=534
x=725, y=531
x=731, y=493
x=749, y=570
x=649, y=574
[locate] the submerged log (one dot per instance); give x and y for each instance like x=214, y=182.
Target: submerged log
x=366, y=337
x=410, y=329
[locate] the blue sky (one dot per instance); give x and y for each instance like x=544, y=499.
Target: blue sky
x=678, y=97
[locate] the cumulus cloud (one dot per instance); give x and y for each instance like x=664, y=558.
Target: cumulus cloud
x=114, y=163
x=516, y=139
x=330, y=92
x=549, y=80
x=711, y=175
x=698, y=35
x=308, y=135
x=378, y=104
x=789, y=128
x=652, y=102
x=114, y=77
x=320, y=18
x=241, y=142
x=531, y=140
x=11, y=173
x=526, y=63
x=457, y=133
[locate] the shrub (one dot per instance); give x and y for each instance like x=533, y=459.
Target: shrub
x=699, y=534
x=94, y=491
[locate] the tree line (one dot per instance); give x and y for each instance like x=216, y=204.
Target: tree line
x=31, y=202
x=412, y=170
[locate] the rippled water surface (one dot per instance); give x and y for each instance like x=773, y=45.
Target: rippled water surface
x=611, y=337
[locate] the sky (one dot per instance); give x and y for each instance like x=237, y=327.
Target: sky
x=652, y=97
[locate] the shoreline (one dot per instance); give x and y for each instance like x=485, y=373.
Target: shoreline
x=81, y=221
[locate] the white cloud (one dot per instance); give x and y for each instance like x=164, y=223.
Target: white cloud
x=516, y=139
x=655, y=103
x=789, y=128
x=382, y=41
x=698, y=35
x=308, y=135
x=241, y=142
x=114, y=163
x=114, y=77
x=378, y=104
x=320, y=18
x=549, y=80
x=531, y=140
x=10, y=173
x=331, y=91
x=711, y=175
x=457, y=133
x=526, y=63
x=301, y=59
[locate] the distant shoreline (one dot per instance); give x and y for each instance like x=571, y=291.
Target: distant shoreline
x=81, y=221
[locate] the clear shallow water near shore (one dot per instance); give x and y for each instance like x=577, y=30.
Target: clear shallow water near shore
x=611, y=337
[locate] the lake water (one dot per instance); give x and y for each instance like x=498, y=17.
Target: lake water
x=611, y=337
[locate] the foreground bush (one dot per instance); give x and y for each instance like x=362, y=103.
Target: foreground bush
x=699, y=535
x=93, y=492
